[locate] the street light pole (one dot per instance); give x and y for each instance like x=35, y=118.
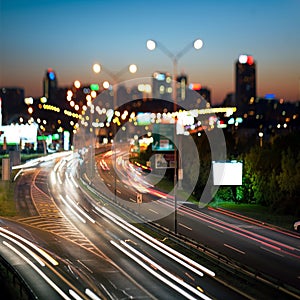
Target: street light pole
x=151, y=45
x=97, y=68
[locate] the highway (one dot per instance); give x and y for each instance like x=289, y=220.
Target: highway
x=265, y=249
x=100, y=251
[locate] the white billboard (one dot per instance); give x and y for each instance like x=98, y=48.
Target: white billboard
x=15, y=133
x=227, y=173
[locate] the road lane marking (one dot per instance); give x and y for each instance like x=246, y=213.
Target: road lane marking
x=141, y=259
x=93, y=296
x=235, y=249
x=182, y=225
x=276, y=253
x=86, y=267
x=133, y=200
x=119, y=192
x=168, y=251
x=154, y=211
x=188, y=275
x=217, y=229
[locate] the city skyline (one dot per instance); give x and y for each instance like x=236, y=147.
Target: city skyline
x=70, y=36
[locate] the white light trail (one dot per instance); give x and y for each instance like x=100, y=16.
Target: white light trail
x=176, y=256
x=74, y=295
x=42, y=274
x=91, y=294
x=73, y=180
x=39, y=250
x=31, y=253
x=59, y=179
x=71, y=208
x=53, y=178
x=164, y=271
x=150, y=270
x=167, y=248
x=80, y=209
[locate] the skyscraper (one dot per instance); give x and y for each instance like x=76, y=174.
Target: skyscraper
x=50, y=86
x=181, y=87
x=161, y=85
x=245, y=80
x=12, y=104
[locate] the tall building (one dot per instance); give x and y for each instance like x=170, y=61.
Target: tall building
x=12, y=105
x=182, y=81
x=50, y=86
x=161, y=85
x=204, y=100
x=245, y=82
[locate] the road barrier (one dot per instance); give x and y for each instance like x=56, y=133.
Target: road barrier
x=13, y=285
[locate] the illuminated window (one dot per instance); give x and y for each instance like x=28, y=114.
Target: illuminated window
x=161, y=89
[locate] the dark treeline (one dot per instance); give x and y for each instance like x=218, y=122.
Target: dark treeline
x=271, y=174
x=271, y=171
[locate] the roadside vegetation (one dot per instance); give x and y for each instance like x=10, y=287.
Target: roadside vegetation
x=7, y=203
x=271, y=176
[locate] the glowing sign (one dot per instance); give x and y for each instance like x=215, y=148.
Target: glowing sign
x=66, y=138
x=159, y=76
x=16, y=133
x=51, y=74
x=195, y=86
x=164, y=161
x=246, y=59
x=270, y=96
x=143, y=119
x=94, y=87
x=163, y=137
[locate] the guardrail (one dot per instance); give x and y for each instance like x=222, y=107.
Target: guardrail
x=13, y=285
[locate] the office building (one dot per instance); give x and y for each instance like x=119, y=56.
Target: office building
x=245, y=80
x=50, y=86
x=162, y=86
x=12, y=105
x=204, y=98
x=181, y=87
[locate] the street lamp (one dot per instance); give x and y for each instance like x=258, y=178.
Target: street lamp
x=260, y=134
x=97, y=68
x=152, y=45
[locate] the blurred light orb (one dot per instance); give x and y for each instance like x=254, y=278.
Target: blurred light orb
x=30, y=110
x=243, y=58
x=105, y=84
x=198, y=44
x=93, y=94
x=96, y=68
x=132, y=68
x=151, y=45
x=77, y=84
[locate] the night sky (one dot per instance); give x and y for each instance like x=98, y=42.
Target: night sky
x=69, y=36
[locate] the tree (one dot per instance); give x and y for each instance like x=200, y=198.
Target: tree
x=289, y=181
